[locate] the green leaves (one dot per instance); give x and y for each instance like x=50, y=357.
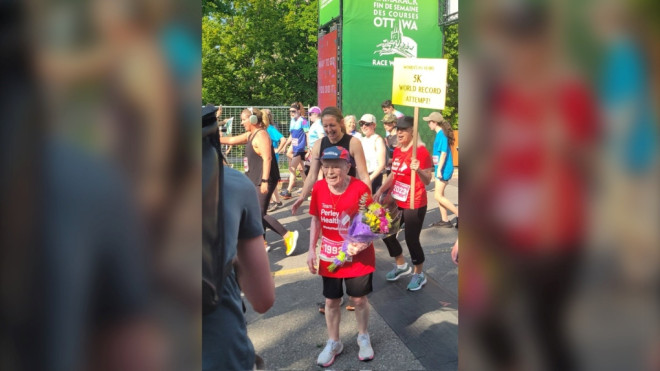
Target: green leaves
x=259, y=52
x=450, y=52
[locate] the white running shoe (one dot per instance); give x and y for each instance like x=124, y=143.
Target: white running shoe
x=366, y=351
x=331, y=350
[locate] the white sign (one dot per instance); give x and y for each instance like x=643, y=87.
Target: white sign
x=420, y=82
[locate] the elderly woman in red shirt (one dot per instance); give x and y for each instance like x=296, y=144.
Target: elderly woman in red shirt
x=336, y=193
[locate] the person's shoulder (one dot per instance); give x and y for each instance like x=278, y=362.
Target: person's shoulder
x=421, y=150
x=235, y=180
x=263, y=133
x=358, y=185
x=357, y=139
x=319, y=185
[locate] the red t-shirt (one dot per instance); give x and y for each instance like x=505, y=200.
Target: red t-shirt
x=400, y=190
x=328, y=207
x=537, y=191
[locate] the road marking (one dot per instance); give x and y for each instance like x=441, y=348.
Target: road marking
x=287, y=272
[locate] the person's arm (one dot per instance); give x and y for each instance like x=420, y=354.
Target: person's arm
x=385, y=186
x=380, y=155
x=288, y=140
x=257, y=285
x=424, y=174
x=314, y=231
x=441, y=162
x=360, y=162
x=281, y=146
x=307, y=141
x=441, y=152
x=262, y=145
x=314, y=168
x=238, y=139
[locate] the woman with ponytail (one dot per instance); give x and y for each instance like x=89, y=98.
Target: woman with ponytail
x=444, y=166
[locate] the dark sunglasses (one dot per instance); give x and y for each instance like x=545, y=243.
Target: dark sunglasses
x=292, y=111
x=363, y=123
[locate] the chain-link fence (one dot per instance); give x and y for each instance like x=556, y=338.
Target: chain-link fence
x=236, y=153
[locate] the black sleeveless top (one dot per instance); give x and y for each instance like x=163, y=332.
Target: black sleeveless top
x=345, y=142
x=256, y=163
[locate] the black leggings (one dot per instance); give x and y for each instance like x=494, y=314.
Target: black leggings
x=414, y=219
x=267, y=220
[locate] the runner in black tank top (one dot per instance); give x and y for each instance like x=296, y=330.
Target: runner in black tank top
x=254, y=173
x=345, y=142
x=256, y=164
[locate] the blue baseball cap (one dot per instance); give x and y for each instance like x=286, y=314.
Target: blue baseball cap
x=336, y=153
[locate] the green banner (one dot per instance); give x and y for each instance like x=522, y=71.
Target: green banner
x=328, y=9
x=374, y=33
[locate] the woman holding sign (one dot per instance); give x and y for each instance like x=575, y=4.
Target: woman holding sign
x=398, y=183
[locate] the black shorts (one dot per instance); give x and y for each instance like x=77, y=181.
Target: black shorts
x=301, y=154
x=356, y=286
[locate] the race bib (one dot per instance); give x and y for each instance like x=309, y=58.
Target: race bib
x=400, y=191
x=435, y=160
x=294, y=142
x=245, y=164
x=330, y=249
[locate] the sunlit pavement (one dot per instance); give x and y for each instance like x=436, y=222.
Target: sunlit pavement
x=409, y=330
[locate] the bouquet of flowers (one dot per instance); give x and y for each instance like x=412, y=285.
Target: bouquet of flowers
x=366, y=225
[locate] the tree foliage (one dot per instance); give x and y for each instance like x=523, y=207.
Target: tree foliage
x=217, y=7
x=259, y=52
x=450, y=52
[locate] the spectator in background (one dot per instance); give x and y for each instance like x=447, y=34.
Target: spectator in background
x=389, y=108
x=223, y=127
x=374, y=150
x=391, y=142
x=279, y=143
x=444, y=166
x=316, y=132
x=218, y=114
x=351, y=124
x=298, y=140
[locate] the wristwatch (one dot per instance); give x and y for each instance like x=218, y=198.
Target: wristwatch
x=264, y=180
